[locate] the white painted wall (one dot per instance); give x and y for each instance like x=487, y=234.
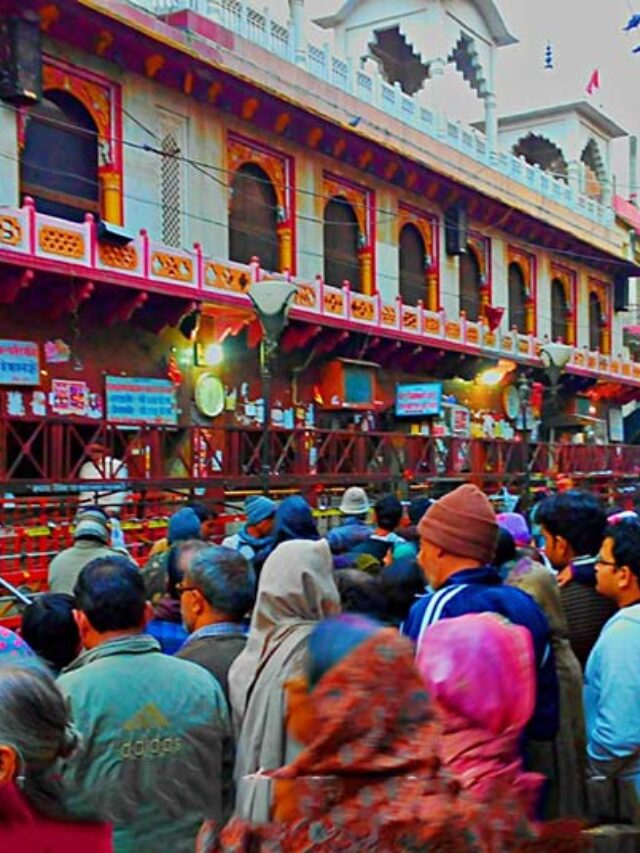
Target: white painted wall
x=9, y=171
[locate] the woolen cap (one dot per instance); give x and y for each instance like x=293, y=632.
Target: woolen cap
x=183, y=524
x=94, y=524
x=462, y=523
x=354, y=501
x=258, y=508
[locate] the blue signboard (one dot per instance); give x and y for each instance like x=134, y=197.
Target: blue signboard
x=19, y=363
x=419, y=401
x=133, y=400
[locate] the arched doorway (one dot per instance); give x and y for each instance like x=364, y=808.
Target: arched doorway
x=253, y=218
x=595, y=322
x=470, y=282
x=517, y=299
x=411, y=265
x=559, y=311
x=59, y=163
x=341, y=244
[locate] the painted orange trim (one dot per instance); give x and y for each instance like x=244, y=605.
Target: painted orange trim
x=153, y=64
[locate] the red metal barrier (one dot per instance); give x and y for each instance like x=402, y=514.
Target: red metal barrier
x=47, y=457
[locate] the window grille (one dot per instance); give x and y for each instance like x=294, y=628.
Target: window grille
x=171, y=189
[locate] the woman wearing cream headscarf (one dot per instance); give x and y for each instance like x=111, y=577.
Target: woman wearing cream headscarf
x=296, y=591
x=561, y=760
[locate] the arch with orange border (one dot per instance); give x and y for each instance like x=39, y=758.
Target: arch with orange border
x=601, y=290
x=427, y=226
x=279, y=168
x=528, y=266
x=361, y=200
x=102, y=99
x=567, y=278
x=481, y=248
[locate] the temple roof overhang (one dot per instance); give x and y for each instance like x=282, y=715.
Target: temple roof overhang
x=583, y=108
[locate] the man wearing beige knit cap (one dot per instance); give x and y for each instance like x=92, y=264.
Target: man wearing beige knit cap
x=458, y=537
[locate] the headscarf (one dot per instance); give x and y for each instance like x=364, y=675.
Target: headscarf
x=562, y=760
x=479, y=669
x=12, y=646
x=296, y=590
x=368, y=778
x=294, y=520
x=542, y=586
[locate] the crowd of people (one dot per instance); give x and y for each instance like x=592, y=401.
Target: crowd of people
x=429, y=677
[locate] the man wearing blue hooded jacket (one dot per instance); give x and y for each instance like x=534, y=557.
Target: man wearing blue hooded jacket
x=255, y=537
x=458, y=537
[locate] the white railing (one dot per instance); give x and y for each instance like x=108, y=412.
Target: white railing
x=370, y=87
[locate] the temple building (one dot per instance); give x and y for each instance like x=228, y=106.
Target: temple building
x=159, y=160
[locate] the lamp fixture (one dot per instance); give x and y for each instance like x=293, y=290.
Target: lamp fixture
x=494, y=375
x=555, y=355
x=213, y=355
x=271, y=298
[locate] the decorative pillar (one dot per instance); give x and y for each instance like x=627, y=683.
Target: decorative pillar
x=605, y=339
x=573, y=174
x=491, y=121
x=529, y=317
x=484, y=300
x=111, y=196
x=571, y=328
x=285, y=247
x=432, y=290
x=365, y=256
x=296, y=12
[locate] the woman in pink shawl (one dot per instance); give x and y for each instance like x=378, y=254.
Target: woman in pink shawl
x=479, y=670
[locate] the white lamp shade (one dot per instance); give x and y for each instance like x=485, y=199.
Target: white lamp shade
x=556, y=355
x=271, y=296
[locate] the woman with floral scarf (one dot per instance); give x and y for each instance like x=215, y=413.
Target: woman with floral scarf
x=368, y=777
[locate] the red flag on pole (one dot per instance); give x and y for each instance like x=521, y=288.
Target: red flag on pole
x=594, y=82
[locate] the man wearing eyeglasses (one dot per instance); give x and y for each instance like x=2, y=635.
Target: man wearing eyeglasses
x=612, y=675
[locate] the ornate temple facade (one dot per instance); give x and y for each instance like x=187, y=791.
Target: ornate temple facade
x=174, y=154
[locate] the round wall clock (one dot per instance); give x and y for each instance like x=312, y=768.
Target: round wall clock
x=511, y=402
x=209, y=395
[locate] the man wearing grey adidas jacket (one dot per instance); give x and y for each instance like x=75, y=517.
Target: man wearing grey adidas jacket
x=155, y=730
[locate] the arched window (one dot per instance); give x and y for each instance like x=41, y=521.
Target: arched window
x=540, y=151
x=470, y=282
x=341, y=243
x=412, y=275
x=253, y=218
x=517, y=298
x=59, y=164
x=595, y=322
x=559, y=311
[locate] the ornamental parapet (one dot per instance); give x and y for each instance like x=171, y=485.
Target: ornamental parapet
x=43, y=243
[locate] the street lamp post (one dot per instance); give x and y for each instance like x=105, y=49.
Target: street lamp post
x=271, y=299
x=524, y=393
x=554, y=357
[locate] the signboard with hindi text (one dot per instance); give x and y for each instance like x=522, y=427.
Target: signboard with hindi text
x=419, y=401
x=19, y=363
x=134, y=400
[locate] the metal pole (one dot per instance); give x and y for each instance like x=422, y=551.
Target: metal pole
x=16, y=593
x=527, y=469
x=267, y=346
